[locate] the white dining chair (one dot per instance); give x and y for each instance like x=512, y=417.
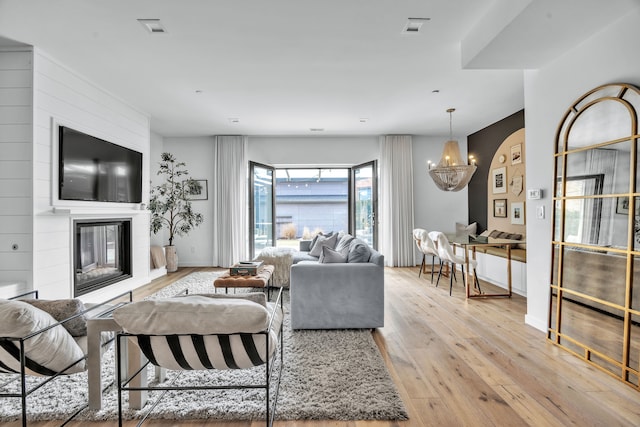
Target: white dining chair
x=447, y=254
x=427, y=247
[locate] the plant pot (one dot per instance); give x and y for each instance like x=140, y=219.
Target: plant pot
x=172, y=258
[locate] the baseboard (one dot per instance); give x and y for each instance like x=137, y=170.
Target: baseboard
x=536, y=323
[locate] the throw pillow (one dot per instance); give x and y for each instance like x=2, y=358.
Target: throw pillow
x=358, y=251
x=323, y=241
x=192, y=314
x=63, y=309
x=344, y=242
x=466, y=229
x=53, y=349
x=332, y=256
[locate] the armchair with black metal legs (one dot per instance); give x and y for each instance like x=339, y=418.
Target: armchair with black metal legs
x=39, y=339
x=210, y=333
x=447, y=255
x=427, y=248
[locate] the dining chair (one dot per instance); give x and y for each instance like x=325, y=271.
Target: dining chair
x=447, y=254
x=427, y=247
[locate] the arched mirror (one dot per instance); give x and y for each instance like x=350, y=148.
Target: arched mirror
x=594, y=312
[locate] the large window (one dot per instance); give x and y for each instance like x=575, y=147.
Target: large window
x=306, y=201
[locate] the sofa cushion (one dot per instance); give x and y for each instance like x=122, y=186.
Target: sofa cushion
x=323, y=241
x=63, y=309
x=192, y=314
x=332, y=256
x=344, y=242
x=358, y=251
x=47, y=352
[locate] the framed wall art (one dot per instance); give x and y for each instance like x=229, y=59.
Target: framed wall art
x=517, y=213
x=516, y=154
x=203, y=193
x=499, y=180
x=500, y=208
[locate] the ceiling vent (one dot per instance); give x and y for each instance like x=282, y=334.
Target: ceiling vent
x=316, y=129
x=413, y=25
x=154, y=26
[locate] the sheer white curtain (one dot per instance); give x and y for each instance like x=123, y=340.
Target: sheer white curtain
x=230, y=206
x=396, y=200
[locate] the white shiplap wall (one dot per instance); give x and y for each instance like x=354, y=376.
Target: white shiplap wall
x=16, y=227
x=63, y=97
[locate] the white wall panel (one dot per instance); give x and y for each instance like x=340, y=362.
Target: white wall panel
x=20, y=97
x=24, y=242
x=16, y=226
x=62, y=97
x=14, y=205
x=15, y=151
x=15, y=169
x=15, y=78
x=15, y=115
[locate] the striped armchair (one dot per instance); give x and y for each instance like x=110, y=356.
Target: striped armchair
x=45, y=339
x=204, y=332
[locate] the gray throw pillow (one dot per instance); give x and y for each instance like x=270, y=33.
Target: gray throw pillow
x=358, y=252
x=344, y=242
x=63, y=309
x=322, y=242
x=332, y=256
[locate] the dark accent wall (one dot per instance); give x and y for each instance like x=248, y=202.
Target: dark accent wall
x=483, y=145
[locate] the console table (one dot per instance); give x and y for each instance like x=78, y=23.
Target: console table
x=470, y=243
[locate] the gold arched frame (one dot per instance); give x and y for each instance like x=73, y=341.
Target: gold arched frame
x=593, y=313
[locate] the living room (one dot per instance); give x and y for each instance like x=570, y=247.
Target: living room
x=551, y=74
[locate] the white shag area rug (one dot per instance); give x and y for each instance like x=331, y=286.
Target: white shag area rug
x=327, y=375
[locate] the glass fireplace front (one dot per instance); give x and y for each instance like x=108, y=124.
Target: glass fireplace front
x=102, y=252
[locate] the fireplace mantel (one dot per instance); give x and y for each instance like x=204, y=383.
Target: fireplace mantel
x=97, y=211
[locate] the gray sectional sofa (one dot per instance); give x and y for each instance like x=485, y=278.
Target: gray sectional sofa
x=338, y=295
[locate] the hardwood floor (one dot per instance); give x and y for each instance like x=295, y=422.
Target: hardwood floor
x=467, y=363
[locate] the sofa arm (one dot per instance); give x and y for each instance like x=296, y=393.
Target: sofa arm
x=337, y=296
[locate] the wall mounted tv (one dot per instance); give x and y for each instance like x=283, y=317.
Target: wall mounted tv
x=92, y=169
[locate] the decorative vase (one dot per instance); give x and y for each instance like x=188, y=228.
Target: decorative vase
x=172, y=258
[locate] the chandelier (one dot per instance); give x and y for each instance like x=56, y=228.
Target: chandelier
x=451, y=173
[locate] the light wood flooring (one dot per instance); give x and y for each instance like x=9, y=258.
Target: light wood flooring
x=467, y=363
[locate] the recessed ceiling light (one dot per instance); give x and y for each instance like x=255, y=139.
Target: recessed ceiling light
x=413, y=25
x=198, y=91
x=154, y=26
x=316, y=129
x=234, y=120
x=435, y=91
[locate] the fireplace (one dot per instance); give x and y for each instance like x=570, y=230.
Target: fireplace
x=102, y=253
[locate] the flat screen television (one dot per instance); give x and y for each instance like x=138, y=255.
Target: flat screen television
x=92, y=169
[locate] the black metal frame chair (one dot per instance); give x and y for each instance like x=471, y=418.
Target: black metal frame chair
x=16, y=347
x=269, y=364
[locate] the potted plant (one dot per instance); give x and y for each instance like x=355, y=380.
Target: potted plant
x=170, y=205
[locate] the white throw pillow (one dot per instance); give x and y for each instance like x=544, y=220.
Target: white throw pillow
x=323, y=241
x=466, y=229
x=53, y=349
x=193, y=314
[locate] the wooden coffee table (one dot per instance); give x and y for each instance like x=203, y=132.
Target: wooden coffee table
x=260, y=280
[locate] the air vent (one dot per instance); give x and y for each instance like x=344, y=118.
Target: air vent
x=154, y=26
x=316, y=129
x=234, y=120
x=413, y=25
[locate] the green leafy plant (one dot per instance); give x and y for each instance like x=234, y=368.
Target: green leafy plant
x=170, y=205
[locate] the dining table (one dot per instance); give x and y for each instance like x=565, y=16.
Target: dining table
x=470, y=243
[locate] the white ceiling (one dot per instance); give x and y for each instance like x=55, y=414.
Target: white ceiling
x=284, y=66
